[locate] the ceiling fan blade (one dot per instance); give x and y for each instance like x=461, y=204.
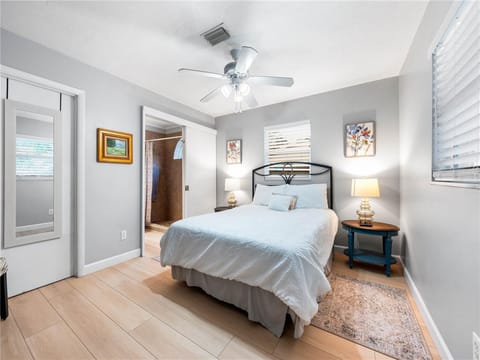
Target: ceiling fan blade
x=271, y=80
x=250, y=100
x=202, y=73
x=245, y=59
x=211, y=95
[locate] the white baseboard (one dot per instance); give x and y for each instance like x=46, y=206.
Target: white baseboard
x=442, y=347
x=102, y=264
x=432, y=327
x=339, y=248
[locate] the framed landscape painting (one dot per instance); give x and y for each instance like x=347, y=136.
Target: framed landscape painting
x=114, y=146
x=234, y=151
x=360, y=139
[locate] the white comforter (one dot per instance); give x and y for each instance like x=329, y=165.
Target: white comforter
x=281, y=252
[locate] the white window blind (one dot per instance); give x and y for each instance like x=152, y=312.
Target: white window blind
x=288, y=142
x=456, y=99
x=34, y=157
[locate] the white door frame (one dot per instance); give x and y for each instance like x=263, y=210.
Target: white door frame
x=148, y=112
x=79, y=96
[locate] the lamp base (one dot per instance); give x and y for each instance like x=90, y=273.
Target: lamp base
x=232, y=202
x=365, y=214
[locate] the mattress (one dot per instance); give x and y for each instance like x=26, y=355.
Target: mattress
x=281, y=252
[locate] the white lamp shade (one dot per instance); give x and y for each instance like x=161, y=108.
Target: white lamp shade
x=365, y=188
x=232, y=184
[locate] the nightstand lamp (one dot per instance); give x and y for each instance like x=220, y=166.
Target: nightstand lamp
x=365, y=188
x=232, y=185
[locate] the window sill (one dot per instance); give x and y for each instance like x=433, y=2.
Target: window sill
x=34, y=178
x=456, y=184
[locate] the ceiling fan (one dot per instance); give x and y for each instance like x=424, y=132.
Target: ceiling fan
x=237, y=79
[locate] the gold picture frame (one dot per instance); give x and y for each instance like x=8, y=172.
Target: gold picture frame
x=114, y=146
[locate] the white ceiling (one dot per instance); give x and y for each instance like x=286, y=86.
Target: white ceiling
x=323, y=45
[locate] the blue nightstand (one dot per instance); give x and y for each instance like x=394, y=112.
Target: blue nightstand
x=386, y=231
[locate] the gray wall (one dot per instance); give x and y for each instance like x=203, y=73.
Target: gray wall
x=113, y=198
x=327, y=113
x=440, y=223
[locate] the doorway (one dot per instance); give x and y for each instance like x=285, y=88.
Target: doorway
x=163, y=174
x=196, y=185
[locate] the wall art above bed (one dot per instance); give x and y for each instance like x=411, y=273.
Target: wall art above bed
x=360, y=139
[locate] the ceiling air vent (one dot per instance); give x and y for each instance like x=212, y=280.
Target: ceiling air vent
x=216, y=35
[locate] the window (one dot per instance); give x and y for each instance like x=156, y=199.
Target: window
x=34, y=156
x=456, y=99
x=288, y=142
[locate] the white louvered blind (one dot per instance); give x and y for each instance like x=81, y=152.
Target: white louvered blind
x=456, y=99
x=34, y=157
x=288, y=142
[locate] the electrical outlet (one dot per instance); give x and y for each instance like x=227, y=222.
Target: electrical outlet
x=124, y=234
x=50, y=211
x=476, y=346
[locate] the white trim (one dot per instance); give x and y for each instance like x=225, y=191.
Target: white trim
x=432, y=327
x=340, y=248
x=12, y=73
x=114, y=260
x=31, y=79
x=34, y=226
x=80, y=185
x=142, y=180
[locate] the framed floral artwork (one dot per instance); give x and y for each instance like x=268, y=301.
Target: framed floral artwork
x=234, y=151
x=360, y=139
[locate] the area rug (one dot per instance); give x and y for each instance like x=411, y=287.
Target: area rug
x=373, y=315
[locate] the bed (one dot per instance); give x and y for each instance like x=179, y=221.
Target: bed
x=265, y=261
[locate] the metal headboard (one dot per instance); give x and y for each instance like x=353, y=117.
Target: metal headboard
x=283, y=172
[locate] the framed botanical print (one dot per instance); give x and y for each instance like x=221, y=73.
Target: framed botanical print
x=114, y=146
x=234, y=151
x=360, y=139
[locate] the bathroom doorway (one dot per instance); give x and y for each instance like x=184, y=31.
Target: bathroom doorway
x=163, y=174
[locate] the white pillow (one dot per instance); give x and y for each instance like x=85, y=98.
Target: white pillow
x=281, y=202
x=263, y=193
x=293, y=200
x=309, y=196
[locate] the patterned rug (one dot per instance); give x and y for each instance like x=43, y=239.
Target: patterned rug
x=373, y=315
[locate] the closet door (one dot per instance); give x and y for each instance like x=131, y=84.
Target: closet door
x=38, y=159
x=200, y=166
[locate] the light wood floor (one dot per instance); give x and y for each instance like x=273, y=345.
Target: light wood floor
x=134, y=310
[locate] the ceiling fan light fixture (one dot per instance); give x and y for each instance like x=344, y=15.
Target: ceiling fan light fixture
x=235, y=78
x=238, y=98
x=226, y=90
x=244, y=89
